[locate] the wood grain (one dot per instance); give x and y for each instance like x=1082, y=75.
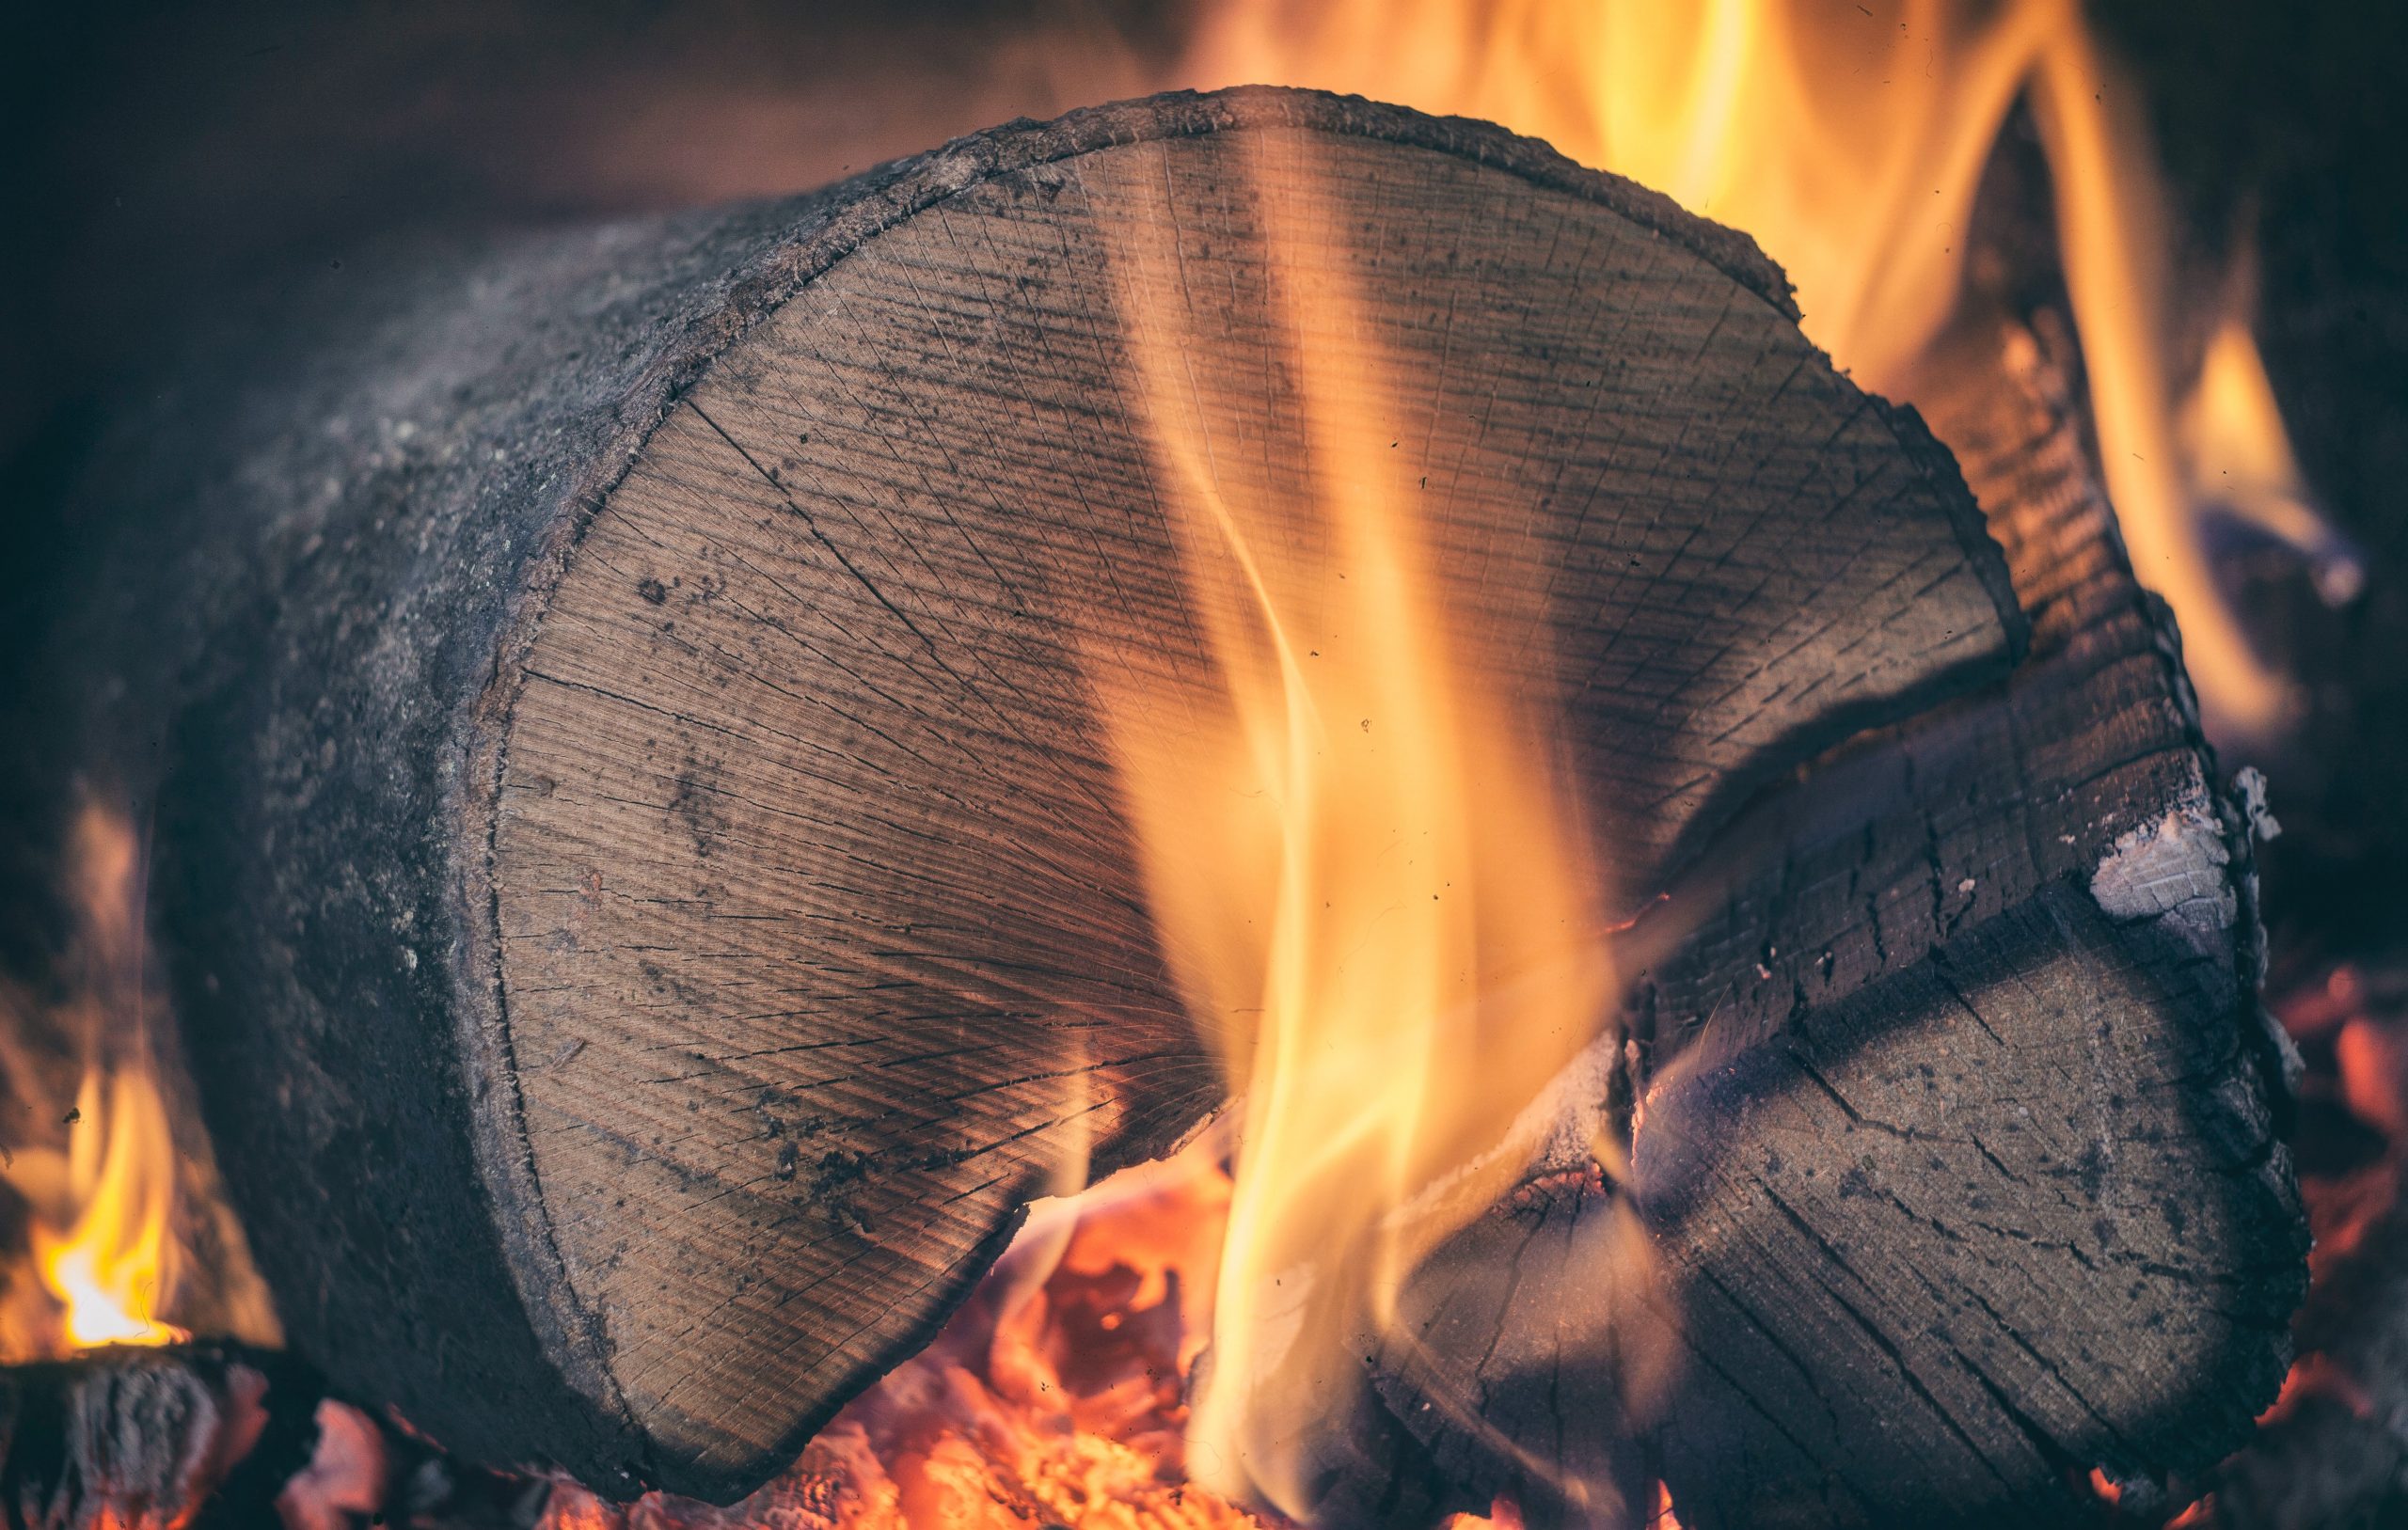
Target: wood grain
x=819, y=921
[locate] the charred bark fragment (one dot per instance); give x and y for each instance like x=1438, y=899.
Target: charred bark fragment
x=634, y=826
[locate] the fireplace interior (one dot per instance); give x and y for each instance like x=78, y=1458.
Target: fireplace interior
x=1220, y=764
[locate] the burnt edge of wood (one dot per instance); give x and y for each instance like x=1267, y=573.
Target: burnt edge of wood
x=834, y=224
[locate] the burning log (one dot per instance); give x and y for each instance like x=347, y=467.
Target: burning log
x=2014, y=1010
x=650, y=904
x=203, y=1435
x=1960, y=1150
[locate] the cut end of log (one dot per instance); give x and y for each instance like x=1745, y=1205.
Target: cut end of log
x=821, y=950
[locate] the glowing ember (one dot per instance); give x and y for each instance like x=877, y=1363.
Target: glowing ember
x=1851, y=141
x=1056, y=1397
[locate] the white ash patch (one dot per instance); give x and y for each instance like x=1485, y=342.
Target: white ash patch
x=2177, y=870
x=2249, y=785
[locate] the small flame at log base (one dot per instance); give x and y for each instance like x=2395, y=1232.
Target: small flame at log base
x=123, y=1214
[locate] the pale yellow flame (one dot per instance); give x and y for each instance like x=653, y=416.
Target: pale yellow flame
x=1851, y=141
x=112, y=1267
x=1363, y=864
x=2114, y=221
x=101, y=1201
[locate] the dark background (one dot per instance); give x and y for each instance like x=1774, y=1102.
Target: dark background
x=164, y=162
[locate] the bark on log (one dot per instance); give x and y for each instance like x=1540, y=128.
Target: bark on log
x=641, y=865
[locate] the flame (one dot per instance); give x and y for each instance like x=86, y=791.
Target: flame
x=1367, y=877
x=1337, y=761
x=120, y=1214
x=1851, y=141
x=1340, y=759
x=103, y=1200
x=1851, y=151
x=2113, y=218
x=1056, y=1396
x=2240, y=457
x=113, y=1267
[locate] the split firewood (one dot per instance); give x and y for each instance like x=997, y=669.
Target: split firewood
x=649, y=901
x=2019, y=1195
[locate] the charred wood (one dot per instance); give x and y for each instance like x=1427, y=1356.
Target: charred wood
x=1957, y=1140
x=203, y=1435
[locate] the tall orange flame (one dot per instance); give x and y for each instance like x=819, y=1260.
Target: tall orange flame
x=1371, y=881
x=1850, y=140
